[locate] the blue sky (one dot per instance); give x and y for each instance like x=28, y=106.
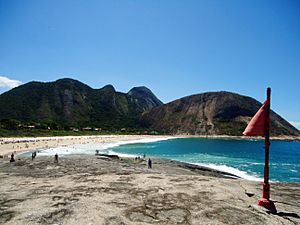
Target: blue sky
x=176, y=48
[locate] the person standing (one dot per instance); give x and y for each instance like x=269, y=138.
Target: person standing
x=12, y=158
x=33, y=155
x=149, y=164
x=56, y=158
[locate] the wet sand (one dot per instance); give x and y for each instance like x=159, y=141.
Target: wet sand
x=82, y=189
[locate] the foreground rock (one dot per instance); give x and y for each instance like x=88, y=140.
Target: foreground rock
x=96, y=190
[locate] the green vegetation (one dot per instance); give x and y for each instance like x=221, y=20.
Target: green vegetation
x=50, y=133
x=230, y=127
x=58, y=108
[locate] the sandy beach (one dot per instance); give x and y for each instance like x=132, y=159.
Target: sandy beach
x=17, y=145
x=88, y=189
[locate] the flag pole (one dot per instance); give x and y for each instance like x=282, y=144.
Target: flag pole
x=265, y=200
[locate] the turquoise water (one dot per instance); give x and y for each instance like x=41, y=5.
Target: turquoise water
x=241, y=157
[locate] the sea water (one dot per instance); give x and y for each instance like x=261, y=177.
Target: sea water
x=244, y=158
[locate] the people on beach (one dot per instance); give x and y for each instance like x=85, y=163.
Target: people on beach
x=12, y=157
x=56, y=158
x=33, y=155
x=149, y=164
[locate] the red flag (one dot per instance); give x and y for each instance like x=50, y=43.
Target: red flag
x=256, y=126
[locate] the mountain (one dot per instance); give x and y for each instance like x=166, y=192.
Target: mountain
x=143, y=99
x=212, y=113
x=68, y=102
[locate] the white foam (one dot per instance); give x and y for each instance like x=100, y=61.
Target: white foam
x=255, y=163
x=145, y=140
x=232, y=170
x=111, y=152
x=91, y=148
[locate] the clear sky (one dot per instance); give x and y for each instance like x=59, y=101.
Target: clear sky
x=176, y=48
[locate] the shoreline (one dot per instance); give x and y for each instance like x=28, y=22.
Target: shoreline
x=44, y=143
x=23, y=144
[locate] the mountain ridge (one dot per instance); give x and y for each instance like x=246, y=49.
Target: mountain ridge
x=66, y=103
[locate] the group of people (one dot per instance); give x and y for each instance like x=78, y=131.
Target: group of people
x=149, y=161
x=33, y=155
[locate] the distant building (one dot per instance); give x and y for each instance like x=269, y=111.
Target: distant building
x=29, y=126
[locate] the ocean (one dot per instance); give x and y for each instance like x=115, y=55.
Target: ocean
x=244, y=158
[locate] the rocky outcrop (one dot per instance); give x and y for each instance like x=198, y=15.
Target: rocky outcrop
x=212, y=113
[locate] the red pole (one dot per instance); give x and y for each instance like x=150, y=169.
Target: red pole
x=265, y=200
x=266, y=187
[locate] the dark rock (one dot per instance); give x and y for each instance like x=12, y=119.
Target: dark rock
x=109, y=156
x=212, y=113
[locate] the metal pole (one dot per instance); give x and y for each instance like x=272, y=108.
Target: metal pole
x=265, y=200
x=266, y=186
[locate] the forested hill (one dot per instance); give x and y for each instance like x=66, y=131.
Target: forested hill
x=68, y=102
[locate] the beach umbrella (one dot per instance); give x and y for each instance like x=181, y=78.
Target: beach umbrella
x=260, y=126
